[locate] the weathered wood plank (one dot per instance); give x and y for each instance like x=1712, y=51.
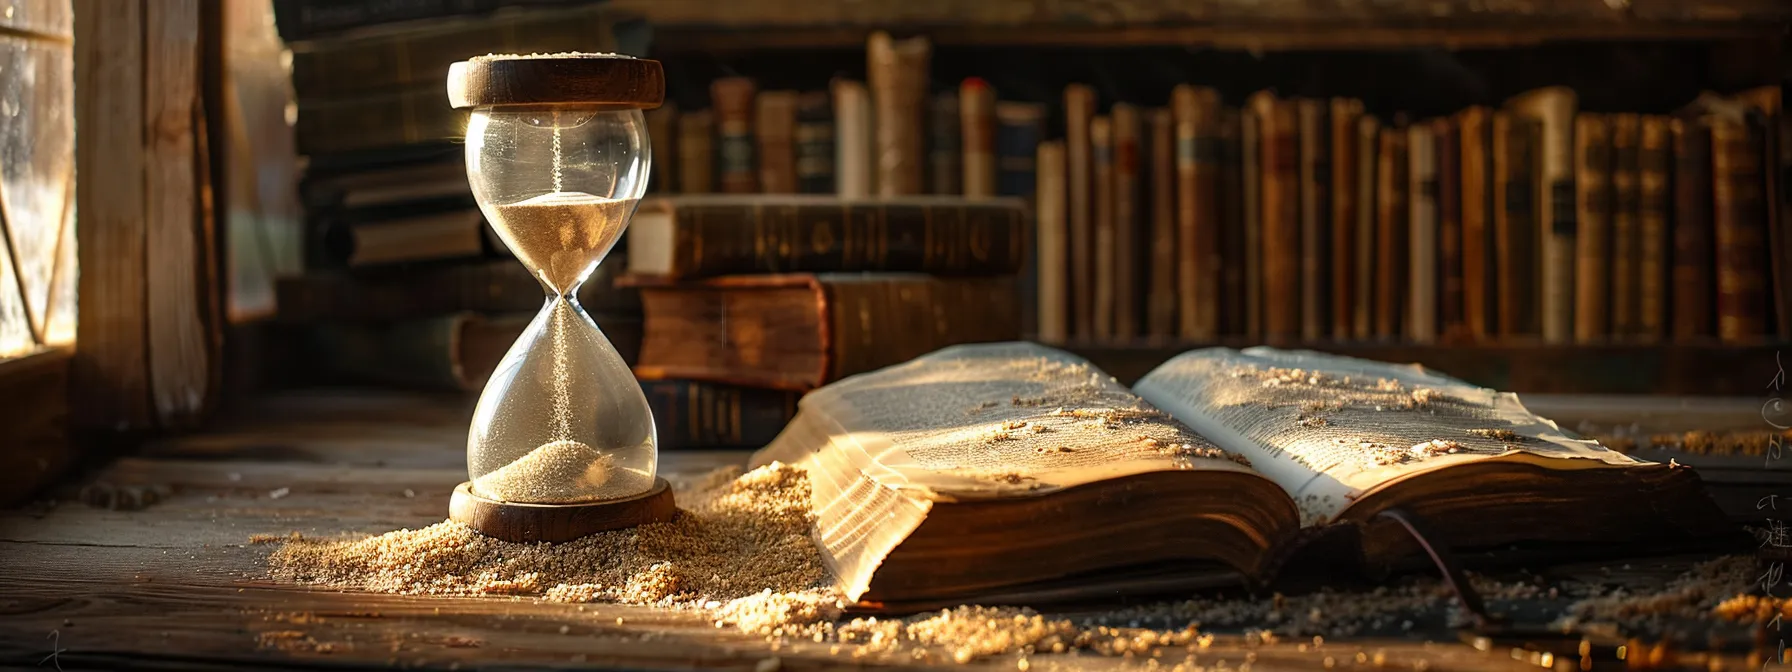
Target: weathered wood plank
x=38, y=19
x=179, y=345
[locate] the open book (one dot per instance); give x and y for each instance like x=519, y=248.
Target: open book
x=1014, y=471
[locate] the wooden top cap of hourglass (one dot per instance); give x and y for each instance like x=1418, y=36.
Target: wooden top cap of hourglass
x=610, y=81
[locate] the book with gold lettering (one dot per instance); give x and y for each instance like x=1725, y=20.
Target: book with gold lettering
x=1015, y=473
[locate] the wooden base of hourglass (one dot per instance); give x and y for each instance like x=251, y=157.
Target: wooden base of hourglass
x=529, y=523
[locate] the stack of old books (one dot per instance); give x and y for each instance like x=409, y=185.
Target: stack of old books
x=749, y=301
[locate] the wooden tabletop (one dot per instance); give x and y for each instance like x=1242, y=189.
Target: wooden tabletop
x=178, y=585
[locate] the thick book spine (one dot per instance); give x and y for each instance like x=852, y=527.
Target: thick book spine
x=1626, y=248
x=696, y=152
x=1197, y=179
x=1345, y=113
x=1478, y=216
x=733, y=98
x=977, y=121
x=855, y=174
x=1250, y=143
x=1019, y=129
x=1654, y=156
x=1514, y=143
x=874, y=323
x=1161, y=322
x=774, y=125
x=898, y=73
x=815, y=143
x=1129, y=254
x=1281, y=217
x=790, y=236
x=1079, y=109
x=1101, y=152
x=662, y=138
x=945, y=151
x=1052, y=242
x=1739, y=223
x=1391, y=245
x=1451, y=324
x=1422, y=278
x=1593, y=219
x=376, y=122
x=1315, y=215
x=1553, y=109
x=692, y=415
x=1232, y=237
x=1693, y=288
x=1368, y=218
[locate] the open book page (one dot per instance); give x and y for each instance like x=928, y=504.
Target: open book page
x=1330, y=429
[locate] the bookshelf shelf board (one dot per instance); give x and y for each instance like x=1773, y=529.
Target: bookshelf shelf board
x=1690, y=369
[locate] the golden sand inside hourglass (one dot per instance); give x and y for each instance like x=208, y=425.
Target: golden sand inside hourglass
x=561, y=235
x=559, y=472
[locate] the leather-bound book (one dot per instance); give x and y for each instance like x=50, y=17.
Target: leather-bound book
x=1129, y=258
x=696, y=152
x=1101, y=153
x=1161, y=322
x=774, y=141
x=815, y=143
x=1693, y=280
x=1654, y=161
x=801, y=331
x=1197, y=111
x=1515, y=221
x=1393, y=201
x=1232, y=237
x=1552, y=108
x=1343, y=216
x=1280, y=168
x=704, y=236
x=1767, y=104
x=1421, y=236
x=977, y=125
x=855, y=169
x=1315, y=218
x=1451, y=325
x=1626, y=243
x=1079, y=109
x=1019, y=129
x=945, y=145
x=690, y=415
x=1052, y=244
x=1479, y=208
x=1250, y=144
x=662, y=134
x=897, y=73
x=1739, y=218
x=1368, y=223
x=736, y=170
x=1593, y=220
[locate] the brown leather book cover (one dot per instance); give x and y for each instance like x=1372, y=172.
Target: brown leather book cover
x=1161, y=323
x=1250, y=145
x=1101, y=152
x=1232, y=234
x=1739, y=230
x=1593, y=220
x=704, y=236
x=977, y=124
x=1368, y=222
x=1478, y=216
x=945, y=145
x=1130, y=257
x=696, y=152
x=774, y=141
x=1079, y=109
x=800, y=331
x=1626, y=241
x=736, y=170
x=1515, y=220
x=1392, y=226
x=1197, y=112
x=815, y=150
x=1280, y=168
x=1315, y=218
x=1654, y=212
x=1451, y=325
x=1343, y=129
x=897, y=74
x=1552, y=108
x=1421, y=236
x=1694, y=284
x=1768, y=103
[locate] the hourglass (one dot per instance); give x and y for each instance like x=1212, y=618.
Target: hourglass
x=562, y=442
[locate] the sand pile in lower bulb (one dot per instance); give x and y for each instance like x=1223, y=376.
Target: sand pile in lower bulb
x=560, y=472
